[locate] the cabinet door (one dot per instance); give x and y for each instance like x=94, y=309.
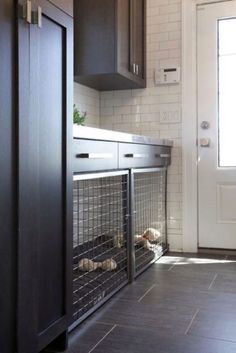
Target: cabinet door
x=45, y=177
x=7, y=178
x=137, y=37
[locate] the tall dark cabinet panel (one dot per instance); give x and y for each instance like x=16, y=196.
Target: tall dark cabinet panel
x=45, y=178
x=7, y=177
x=109, y=42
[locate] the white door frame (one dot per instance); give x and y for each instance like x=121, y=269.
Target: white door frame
x=189, y=123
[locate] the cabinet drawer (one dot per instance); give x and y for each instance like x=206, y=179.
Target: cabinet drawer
x=139, y=156
x=90, y=155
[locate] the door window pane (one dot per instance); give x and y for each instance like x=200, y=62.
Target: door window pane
x=227, y=92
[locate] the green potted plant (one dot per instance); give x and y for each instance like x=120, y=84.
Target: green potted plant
x=79, y=117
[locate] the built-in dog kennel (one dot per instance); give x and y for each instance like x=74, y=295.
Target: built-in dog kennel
x=119, y=213
x=100, y=239
x=149, y=220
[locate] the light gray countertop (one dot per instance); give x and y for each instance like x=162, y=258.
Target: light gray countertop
x=90, y=133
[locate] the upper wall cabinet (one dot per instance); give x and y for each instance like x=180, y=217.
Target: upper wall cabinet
x=109, y=43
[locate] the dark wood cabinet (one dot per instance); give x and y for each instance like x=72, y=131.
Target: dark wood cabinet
x=8, y=200
x=45, y=177
x=109, y=43
x=36, y=99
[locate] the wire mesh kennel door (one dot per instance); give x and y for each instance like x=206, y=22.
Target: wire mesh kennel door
x=100, y=239
x=149, y=220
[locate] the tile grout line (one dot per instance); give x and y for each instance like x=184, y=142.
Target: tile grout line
x=113, y=327
x=169, y=269
x=212, y=282
x=215, y=338
x=141, y=298
x=191, y=322
x=105, y=323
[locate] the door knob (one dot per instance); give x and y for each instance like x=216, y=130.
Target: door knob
x=205, y=142
x=205, y=125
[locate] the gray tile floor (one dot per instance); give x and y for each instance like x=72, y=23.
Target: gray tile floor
x=184, y=303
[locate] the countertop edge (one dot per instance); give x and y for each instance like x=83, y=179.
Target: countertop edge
x=90, y=133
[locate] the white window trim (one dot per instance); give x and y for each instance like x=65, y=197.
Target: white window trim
x=189, y=123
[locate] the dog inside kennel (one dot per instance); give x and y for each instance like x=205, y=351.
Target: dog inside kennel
x=100, y=239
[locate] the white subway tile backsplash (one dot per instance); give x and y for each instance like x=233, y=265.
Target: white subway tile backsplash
x=88, y=100
x=122, y=94
x=159, y=37
x=169, y=9
x=174, y=17
x=174, y=35
x=175, y=242
x=122, y=110
x=107, y=111
x=170, y=44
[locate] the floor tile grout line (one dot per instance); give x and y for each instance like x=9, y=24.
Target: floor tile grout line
x=122, y=325
x=105, y=323
x=213, y=338
x=144, y=295
x=212, y=282
x=169, y=269
x=191, y=322
x=113, y=327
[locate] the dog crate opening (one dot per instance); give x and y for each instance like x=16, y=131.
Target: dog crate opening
x=149, y=216
x=100, y=239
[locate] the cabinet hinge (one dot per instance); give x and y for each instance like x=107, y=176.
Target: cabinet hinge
x=34, y=17
x=26, y=11
x=37, y=17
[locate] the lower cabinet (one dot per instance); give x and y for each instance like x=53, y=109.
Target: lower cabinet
x=100, y=239
x=119, y=221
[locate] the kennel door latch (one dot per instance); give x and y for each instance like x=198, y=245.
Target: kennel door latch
x=95, y=155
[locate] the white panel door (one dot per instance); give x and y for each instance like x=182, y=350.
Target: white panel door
x=216, y=69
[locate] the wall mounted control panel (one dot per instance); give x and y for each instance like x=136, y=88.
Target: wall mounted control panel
x=167, y=75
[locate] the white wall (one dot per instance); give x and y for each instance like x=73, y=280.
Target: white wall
x=142, y=111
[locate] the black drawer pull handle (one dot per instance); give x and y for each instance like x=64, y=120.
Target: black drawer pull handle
x=95, y=155
x=136, y=155
x=163, y=155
